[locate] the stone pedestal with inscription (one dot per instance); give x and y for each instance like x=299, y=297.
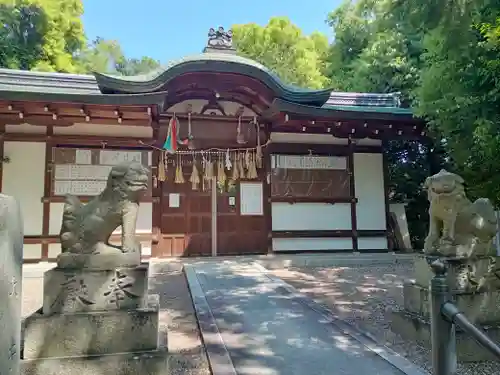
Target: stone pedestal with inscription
x=11, y=261
x=90, y=313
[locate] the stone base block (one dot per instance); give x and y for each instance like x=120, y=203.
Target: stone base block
x=481, y=308
x=459, y=273
x=415, y=328
x=104, y=261
x=150, y=363
x=91, y=333
x=72, y=290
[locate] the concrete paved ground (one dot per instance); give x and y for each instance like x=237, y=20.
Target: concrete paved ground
x=253, y=323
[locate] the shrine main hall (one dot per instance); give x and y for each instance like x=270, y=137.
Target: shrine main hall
x=240, y=162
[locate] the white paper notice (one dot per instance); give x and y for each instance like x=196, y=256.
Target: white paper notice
x=62, y=172
x=62, y=187
x=174, y=200
x=83, y=157
x=251, y=198
x=112, y=157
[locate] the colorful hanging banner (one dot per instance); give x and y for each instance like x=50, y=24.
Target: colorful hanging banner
x=170, y=144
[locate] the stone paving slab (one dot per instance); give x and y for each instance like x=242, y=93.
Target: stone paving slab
x=254, y=323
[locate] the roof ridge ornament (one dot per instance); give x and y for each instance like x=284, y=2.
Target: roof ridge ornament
x=220, y=41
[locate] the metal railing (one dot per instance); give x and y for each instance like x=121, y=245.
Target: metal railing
x=444, y=317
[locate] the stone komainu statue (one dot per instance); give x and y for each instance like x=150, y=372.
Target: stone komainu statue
x=456, y=225
x=86, y=228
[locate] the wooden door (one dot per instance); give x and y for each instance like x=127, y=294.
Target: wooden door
x=186, y=217
x=238, y=234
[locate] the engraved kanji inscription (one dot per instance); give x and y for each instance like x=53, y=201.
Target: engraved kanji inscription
x=120, y=289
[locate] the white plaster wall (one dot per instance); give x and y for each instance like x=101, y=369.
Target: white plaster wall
x=313, y=244
x=23, y=178
x=372, y=243
x=370, y=191
x=25, y=128
x=311, y=216
x=399, y=210
x=319, y=139
x=32, y=251
x=105, y=130
x=55, y=218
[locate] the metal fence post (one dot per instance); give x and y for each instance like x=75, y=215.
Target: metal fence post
x=444, y=356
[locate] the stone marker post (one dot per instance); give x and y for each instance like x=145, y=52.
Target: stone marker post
x=11, y=263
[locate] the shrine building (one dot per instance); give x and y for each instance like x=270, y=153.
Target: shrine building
x=241, y=163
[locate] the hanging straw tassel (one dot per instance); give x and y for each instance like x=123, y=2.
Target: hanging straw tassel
x=247, y=159
x=258, y=150
x=221, y=175
x=227, y=162
x=179, y=174
x=236, y=169
x=162, y=168
x=258, y=156
x=195, y=176
x=209, y=170
x=241, y=166
x=252, y=169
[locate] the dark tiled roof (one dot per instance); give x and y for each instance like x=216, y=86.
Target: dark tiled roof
x=363, y=99
x=148, y=88
x=20, y=80
x=60, y=87
x=211, y=62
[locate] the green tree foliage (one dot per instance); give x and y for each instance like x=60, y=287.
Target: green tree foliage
x=41, y=34
x=282, y=47
x=377, y=50
x=47, y=35
x=106, y=56
x=132, y=67
x=444, y=57
x=459, y=93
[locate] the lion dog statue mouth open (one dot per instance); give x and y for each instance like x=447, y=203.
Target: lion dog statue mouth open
x=456, y=224
x=86, y=228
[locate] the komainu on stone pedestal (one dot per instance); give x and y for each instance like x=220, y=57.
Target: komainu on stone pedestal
x=96, y=300
x=457, y=227
x=86, y=228
x=461, y=235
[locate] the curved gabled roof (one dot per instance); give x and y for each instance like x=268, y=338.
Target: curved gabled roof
x=210, y=62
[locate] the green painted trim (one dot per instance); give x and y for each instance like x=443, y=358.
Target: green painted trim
x=345, y=112
x=368, y=109
x=210, y=62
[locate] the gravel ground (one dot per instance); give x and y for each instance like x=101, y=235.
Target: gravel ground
x=364, y=297
x=177, y=315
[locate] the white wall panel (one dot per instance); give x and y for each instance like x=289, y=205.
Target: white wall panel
x=372, y=243
x=32, y=251
x=311, y=216
x=312, y=244
x=370, y=191
x=23, y=178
